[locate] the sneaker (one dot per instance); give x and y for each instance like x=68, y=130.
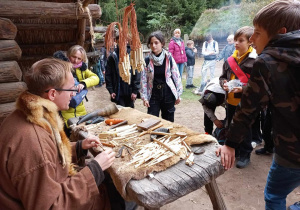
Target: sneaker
x=188, y=86
x=264, y=151
x=295, y=206
x=192, y=86
x=243, y=162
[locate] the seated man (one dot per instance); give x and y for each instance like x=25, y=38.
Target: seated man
x=36, y=168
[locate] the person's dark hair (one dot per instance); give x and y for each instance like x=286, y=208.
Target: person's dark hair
x=247, y=31
x=208, y=37
x=158, y=35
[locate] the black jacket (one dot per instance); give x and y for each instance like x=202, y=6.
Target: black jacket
x=114, y=83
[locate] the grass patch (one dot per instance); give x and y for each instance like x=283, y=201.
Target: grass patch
x=188, y=94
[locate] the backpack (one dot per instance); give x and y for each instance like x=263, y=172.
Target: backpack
x=210, y=57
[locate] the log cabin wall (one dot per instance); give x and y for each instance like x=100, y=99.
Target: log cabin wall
x=10, y=72
x=31, y=30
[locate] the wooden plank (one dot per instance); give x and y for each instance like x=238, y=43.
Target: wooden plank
x=6, y=109
x=9, y=92
x=9, y=50
x=40, y=9
x=175, y=182
x=81, y=24
x=148, y=123
x=7, y=29
x=10, y=72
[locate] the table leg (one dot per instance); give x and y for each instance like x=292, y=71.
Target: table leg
x=215, y=195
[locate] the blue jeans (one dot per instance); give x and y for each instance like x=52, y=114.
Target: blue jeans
x=180, y=68
x=207, y=65
x=190, y=75
x=281, y=181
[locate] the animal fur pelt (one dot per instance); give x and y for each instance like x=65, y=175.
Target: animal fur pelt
x=122, y=173
x=44, y=113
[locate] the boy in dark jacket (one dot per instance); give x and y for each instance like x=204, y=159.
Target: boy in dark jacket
x=121, y=93
x=275, y=81
x=190, y=51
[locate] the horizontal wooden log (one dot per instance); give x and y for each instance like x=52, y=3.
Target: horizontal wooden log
x=9, y=50
x=9, y=92
x=10, y=72
x=7, y=29
x=6, y=109
x=50, y=27
x=40, y=9
x=98, y=29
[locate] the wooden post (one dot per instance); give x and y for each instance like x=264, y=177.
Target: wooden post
x=81, y=32
x=215, y=195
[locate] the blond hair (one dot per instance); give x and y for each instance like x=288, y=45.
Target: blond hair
x=279, y=14
x=74, y=49
x=230, y=37
x=189, y=42
x=47, y=73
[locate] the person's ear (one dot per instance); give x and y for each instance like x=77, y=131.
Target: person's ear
x=282, y=30
x=51, y=94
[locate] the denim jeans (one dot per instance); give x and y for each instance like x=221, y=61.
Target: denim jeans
x=162, y=100
x=280, y=182
x=189, y=75
x=180, y=68
x=207, y=65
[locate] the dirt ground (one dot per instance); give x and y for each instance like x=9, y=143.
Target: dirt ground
x=242, y=189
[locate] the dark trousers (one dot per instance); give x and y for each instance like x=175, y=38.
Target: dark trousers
x=208, y=124
x=245, y=147
x=256, y=133
x=125, y=101
x=162, y=99
x=267, y=129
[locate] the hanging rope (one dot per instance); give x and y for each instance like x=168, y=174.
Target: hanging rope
x=82, y=9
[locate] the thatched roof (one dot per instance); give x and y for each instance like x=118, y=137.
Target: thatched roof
x=226, y=20
x=41, y=37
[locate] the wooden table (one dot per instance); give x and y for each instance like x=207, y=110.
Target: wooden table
x=179, y=180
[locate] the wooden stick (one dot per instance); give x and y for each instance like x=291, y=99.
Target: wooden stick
x=164, y=145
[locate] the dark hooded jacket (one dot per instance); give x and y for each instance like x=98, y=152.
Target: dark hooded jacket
x=274, y=81
x=190, y=54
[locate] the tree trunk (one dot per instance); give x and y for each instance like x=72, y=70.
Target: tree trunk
x=6, y=109
x=9, y=50
x=10, y=72
x=81, y=32
x=7, y=29
x=9, y=92
x=39, y=9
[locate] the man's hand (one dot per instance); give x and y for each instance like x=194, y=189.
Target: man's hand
x=227, y=156
x=105, y=158
x=113, y=95
x=90, y=141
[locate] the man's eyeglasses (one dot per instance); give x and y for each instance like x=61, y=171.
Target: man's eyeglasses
x=60, y=89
